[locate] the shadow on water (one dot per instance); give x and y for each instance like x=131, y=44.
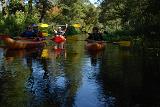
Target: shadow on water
x=95, y=56
x=94, y=91
x=75, y=77
x=131, y=78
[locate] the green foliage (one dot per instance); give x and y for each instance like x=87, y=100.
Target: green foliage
x=73, y=11
x=117, y=36
x=78, y=11
x=15, y=6
x=43, y=6
x=72, y=31
x=111, y=14
x=91, y=17
x=15, y=24
x=12, y=24
x=140, y=17
x=32, y=18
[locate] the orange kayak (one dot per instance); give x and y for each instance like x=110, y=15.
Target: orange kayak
x=22, y=44
x=95, y=46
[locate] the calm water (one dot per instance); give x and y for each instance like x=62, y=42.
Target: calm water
x=76, y=78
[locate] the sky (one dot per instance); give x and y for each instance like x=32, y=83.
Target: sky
x=93, y=1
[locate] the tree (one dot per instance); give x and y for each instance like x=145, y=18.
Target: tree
x=43, y=6
x=139, y=17
x=14, y=6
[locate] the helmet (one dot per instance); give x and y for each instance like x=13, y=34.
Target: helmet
x=34, y=25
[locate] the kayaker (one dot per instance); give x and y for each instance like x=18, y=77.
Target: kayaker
x=60, y=31
x=95, y=35
x=29, y=33
x=39, y=34
x=35, y=29
x=59, y=37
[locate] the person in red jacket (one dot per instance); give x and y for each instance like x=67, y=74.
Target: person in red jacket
x=59, y=38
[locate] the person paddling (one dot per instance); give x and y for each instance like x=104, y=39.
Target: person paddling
x=59, y=38
x=95, y=41
x=95, y=35
x=29, y=33
x=39, y=34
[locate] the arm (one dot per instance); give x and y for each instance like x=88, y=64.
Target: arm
x=65, y=28
x=64, y=31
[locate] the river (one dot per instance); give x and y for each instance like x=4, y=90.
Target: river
x=74, y=77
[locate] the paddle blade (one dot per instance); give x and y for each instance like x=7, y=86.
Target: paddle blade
x=43, y=25
x=76, y=25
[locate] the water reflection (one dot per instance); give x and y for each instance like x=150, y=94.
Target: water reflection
x=75, y=77
x=95, y=56
x=11, y=55
x=90, y=92
x=36, y=83
x=129, y=76
x=12, y=77
x=46, y=87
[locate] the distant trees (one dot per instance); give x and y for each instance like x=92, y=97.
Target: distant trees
x=48, y=11
x=137, y=17
x=132, y=17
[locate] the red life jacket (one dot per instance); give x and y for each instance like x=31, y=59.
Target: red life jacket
x=59, y=39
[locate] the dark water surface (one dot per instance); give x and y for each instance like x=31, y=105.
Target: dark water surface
x=76, y=78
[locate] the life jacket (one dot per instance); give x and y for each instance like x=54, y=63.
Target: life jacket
x=28, y=34
x=59, y=39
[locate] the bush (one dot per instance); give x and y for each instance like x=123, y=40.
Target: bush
x=72, y=31
x=15, y=24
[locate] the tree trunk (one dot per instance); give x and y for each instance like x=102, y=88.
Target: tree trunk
x=30, y=6
x=43, y=12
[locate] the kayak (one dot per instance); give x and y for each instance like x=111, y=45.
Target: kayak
x=22, y=44
x=95, y=46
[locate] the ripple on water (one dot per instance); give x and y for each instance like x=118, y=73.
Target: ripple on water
x=90, y=93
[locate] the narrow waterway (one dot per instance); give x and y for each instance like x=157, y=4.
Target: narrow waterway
x=74, y=77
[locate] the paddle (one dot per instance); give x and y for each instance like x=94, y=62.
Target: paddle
x=90, y=41
x=76, y=25
x=43, y=25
